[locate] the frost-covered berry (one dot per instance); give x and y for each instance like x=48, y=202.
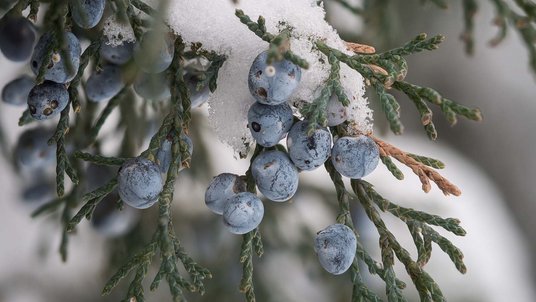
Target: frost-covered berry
x=337, y=113
x=272, y=84
x=275, y=175
x=119, y=54
x=355, y=157
x=56, y=69
x=335, y=247
x=111, y=222
x=221, y=188
x=87, y=13
x=139, y=182
x=103, y=84
x=198, y=95
x=32, y=149
x=242, y=213
x=308, y=152
x=152, y=86
x=47, y=100
x=155, y=51
x=269, y=124
x=164, y=154
x=17, y=38
x=16, y=92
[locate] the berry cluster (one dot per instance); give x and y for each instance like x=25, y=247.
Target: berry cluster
x=57, y=62
x=276, y=170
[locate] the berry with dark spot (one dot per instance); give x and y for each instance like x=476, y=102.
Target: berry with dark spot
x=103, y=84
x=32, y=150
x=242, y=213
x=155, y=51
x=355, y=157
x=17, y=38
x=335, y=247
x=16, y=92
x=221, y=188
x=308, y=152
x=273, y=84
x=198, y=93
x=139, y=182
x=87, y=13
x=269, y=123
x=152, y=86
x=57, y=70
x=119, y=54
x=47, y=100
x=275, y=175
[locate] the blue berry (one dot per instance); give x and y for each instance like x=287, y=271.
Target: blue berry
x=242, y=213
x=198, y=95
x=155, y=52
x=119, y=54
x=335, y=247
x=308, y=152
x=164, y=154
x=111, y=222
x=152, y=86
x=221, y=188
x=87, y=13
x=269, y=124
x=355, y=157
x=103, y=84
x=32, y=149
x=57, y=70
x=16, y=92
x=17, y=38
x=275, y=175
x=139, y=182
x=40, y=190
x=47, y=100
x=272, y=84
x=337, y=113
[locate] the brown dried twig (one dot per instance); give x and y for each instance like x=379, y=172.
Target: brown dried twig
x=360, y=48
x=424, y=172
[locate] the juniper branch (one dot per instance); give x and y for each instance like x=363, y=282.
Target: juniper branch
x=105, y=114
x=424, y=172
x=316, y=112
x=279, y=45
x=99, y=159
x=427, y=288
x=405, y=214
x=26, y=118
x=63, y=165
x=90, y=201
x=88, y=53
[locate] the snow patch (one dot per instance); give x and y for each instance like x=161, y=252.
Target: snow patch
x=214, y=24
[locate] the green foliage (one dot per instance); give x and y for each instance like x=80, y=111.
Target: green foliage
x=279, y=45
x=383, y=72
x=388, y=69
x=519, y=16
x=316, y=112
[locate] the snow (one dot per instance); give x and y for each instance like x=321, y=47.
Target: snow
x=214, y=24
x=117, y=32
